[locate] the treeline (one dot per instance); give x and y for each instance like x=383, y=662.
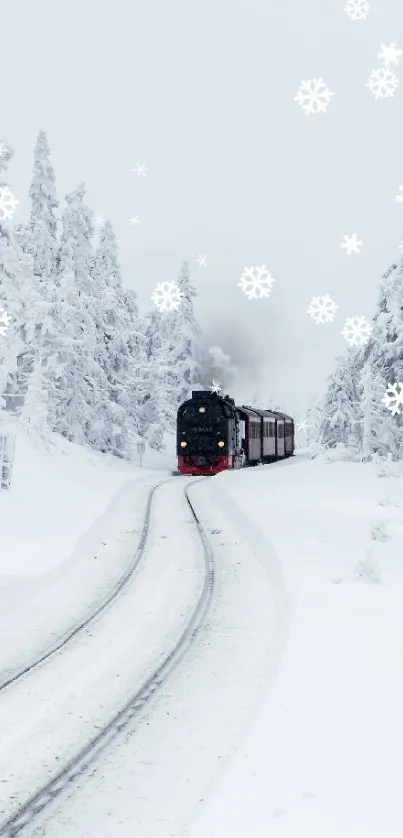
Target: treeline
x=77, y=358
x=354, y=412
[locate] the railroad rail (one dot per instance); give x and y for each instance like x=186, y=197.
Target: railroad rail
x=138, y=701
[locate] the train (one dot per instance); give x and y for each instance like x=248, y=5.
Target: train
x=213, y=434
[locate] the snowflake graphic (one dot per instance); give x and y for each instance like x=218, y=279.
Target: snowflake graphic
x=314, y=96
x=322, y=309
x=215, y=387
x=256, y=279
x=167, y=296
x=399, y=198
x=351, y=244
x=393, y=400
x=140, y=170
x=357, y=9
x=100, y=219
x=302, y=425
x=134, y=221
x=202, y=261
x=390, y=54
x=356, y=331
x=382, y=83
x=5, y=321
x=8, y=203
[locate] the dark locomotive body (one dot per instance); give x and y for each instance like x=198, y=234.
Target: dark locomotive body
x=213, y=434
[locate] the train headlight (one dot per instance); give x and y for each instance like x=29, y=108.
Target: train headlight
x=202, y=409
x=221, y=444
x=183, y=444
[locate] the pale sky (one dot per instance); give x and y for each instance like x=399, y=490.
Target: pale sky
x=202, y=92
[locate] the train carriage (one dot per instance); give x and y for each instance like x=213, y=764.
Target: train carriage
x=250, y=442
x=289, y=441
x=269, y=435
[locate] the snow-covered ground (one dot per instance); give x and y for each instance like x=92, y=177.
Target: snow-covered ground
x=69, y=526
x=285, y=720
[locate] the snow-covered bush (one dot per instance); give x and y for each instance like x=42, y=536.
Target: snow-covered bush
x=369, y=568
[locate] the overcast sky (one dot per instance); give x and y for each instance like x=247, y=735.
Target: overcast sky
x=202, y=92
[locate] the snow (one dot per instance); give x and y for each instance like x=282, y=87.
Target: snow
x=285, y=717
x=69, y=527
x=324, y=755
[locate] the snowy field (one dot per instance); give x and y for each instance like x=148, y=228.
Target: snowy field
x=69, y=527
x=324, y=754
x=285, y=719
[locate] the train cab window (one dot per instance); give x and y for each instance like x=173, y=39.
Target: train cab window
x=280, y=431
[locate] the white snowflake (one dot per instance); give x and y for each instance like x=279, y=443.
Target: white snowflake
x=357, y=9
x=140, y=170
x=167, y=296
x=351, y=244
x=134, y=221
x=322, y=309
x=399, y=197
x=256, y=279
x=382, y=83
x=314, y=96
x=202, y=261
x=356, y=330
x=390, y=54
x=100, y=219
x=302, y=425
x=393, y=400
x=3, y=149
x=5, y=321
x=215, y=387
x=8, y=203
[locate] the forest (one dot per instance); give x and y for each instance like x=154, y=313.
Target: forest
x=78, y=358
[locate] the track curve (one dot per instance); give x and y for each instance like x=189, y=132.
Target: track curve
x=100, y=607
x=137, y=701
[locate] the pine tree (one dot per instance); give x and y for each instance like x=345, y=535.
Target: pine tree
x=23, y=305
x=383, y=359
x=117, y=349
x=183, y=346
x=341, y=414
x=43, y=221
x=77, y=382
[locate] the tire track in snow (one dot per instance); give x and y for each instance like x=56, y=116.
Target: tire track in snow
x=81, y=762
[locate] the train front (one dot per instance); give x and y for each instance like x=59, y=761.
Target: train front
x=205, y=434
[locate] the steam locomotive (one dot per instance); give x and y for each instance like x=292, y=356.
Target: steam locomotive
x=213, y=434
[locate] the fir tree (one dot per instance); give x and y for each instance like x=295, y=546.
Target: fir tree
x=23, y=305
x=43, y=221
x=183, y=346
x=78, y=384
x=383, y=359
x=341, y=408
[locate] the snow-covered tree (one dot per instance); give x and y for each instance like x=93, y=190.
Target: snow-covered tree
x=78, y=385
x=22, y=304
x=43, y=221
x=340, y=410
x=184, y=344
x=120, y=347
x=383, y=364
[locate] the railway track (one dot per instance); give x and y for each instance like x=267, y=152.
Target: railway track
x=138, y=701
x=101, y=606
